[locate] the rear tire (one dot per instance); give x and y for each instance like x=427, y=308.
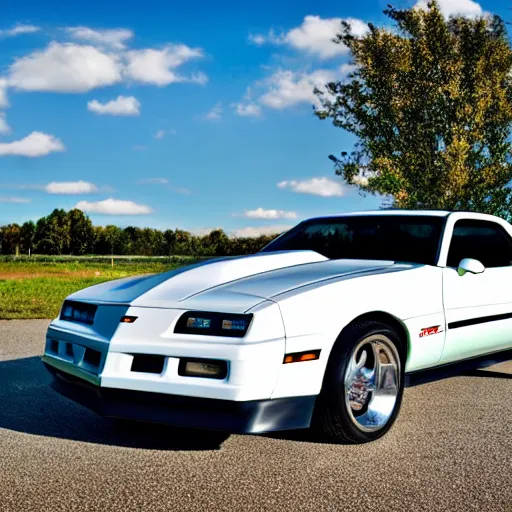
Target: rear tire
x=363, y=384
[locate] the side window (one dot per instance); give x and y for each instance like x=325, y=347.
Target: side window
x=484, y=241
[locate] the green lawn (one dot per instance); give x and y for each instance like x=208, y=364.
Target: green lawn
x=36, y=287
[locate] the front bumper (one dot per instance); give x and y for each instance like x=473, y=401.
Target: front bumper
x=253, y=416
x=97, y=366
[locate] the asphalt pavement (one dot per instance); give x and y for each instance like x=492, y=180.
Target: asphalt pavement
x=450, y=450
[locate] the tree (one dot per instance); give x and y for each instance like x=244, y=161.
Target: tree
x=431, y=106
x=146, y=241
x=183, y=242
x=170, y=239
x=28, y=231
x=11, y=239
x=217, y=242
x=53, y=233
x=109, y=240
x=112, y=237
x=131, y=235
x=81, y=232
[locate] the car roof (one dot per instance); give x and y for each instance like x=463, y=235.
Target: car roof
x=457, y=214
x=433, y=213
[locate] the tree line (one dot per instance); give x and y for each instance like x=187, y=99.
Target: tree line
x=73, y=233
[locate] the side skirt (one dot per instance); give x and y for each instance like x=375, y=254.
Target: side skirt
x=454, y=369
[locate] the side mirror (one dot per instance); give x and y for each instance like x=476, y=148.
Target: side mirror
x=470, y=265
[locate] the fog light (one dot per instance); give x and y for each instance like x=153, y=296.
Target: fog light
x=207, y=368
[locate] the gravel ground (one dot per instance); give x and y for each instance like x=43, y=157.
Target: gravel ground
x=451, y=449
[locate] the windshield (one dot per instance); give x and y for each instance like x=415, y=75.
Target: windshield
x=405, y=238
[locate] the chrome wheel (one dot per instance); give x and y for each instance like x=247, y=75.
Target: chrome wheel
x=372, y=382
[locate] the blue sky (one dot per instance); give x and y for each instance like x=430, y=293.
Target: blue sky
x=194, y=115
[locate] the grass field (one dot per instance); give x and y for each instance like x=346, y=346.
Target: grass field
x=35, y=287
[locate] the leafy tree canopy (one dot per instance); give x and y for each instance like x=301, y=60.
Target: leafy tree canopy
x=430, y=101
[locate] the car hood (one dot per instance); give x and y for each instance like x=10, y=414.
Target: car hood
x=230, y=284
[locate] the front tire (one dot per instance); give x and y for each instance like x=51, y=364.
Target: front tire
x=363, y=384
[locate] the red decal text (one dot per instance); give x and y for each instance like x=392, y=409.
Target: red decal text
x=427, y=331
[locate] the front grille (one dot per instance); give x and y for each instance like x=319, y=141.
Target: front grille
x=69, y=349
x=92, y=357
x=86, y=358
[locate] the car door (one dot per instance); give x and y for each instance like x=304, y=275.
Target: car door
x=478, y=307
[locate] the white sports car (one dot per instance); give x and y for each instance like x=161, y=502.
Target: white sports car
x=316, y=330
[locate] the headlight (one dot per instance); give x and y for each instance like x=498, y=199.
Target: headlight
x=213, y=324
x=78, y=312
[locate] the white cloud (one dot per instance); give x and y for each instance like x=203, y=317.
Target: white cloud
x=115, y=38
x=65, y=67
x=261, y=213
x=18, y=30
x=315, y=36
x=112, y=206
x=33, y=145
x=324, y=187
x=70, y=187
x=15, y=200
x=252, y=232
x=449, y=8
x=158, y=67
x=248, y=94
x=360, y=180
x=121, y=106
x=201, y=231
x=139, y=147
x=75, y=68
x=197, y=78
x=247, y=109
x=288, y=88
x=257, y=39
x=160, y=134
x=4, y=127
x=215, y=113
x=345, y=69
x=270, y=38
x=4, y=103
x=154, y=181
